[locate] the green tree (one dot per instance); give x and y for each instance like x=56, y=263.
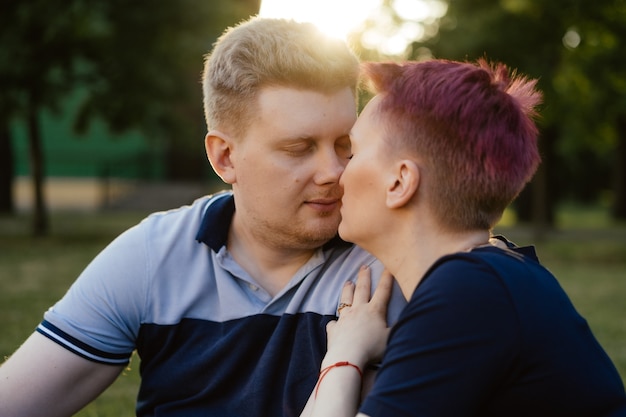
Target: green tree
x=593, y=83
x=38, y=46
x=6, y=170
x=146, y=69
x=138, y=62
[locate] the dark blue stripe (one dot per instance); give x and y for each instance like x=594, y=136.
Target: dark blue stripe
x=105, y=357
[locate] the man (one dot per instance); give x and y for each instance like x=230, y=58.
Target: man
x=226, y=300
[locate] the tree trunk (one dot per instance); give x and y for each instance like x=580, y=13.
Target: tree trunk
x=544, y=192
x=540, y=205
x=40, y=223
x=536, y=204
x=618, y=210
x=6, y=170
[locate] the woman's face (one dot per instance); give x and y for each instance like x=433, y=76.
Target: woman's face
x=364, y=180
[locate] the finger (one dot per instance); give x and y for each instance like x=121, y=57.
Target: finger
x=347, y=293
x=381, y=296
x=363, y=289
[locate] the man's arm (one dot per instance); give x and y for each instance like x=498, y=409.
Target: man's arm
x=43, y=378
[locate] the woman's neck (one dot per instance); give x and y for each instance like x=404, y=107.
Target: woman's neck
x=413, y=252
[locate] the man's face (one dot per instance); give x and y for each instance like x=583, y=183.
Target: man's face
x=288, y=164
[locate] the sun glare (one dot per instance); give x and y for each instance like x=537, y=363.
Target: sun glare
x=339, y=18
x=335, y=17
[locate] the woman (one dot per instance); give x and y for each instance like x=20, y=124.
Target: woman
x=438, y=154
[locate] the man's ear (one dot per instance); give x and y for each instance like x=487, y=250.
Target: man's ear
x=218, y=148
x=404, y=185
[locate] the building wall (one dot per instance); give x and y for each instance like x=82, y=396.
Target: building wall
x=96, y=153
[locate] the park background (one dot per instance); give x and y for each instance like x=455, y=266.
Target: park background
x=101, y=123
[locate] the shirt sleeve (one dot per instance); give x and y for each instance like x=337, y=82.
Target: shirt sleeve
x=457, y=336
x=99, y=317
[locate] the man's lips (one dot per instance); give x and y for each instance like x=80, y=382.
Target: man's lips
x=323, y=204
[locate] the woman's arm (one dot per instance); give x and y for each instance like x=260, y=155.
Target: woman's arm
x=357, y=338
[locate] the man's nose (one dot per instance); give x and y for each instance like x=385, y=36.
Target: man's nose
x=330, y=167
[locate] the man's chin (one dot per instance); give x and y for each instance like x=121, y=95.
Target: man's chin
x=323, y=231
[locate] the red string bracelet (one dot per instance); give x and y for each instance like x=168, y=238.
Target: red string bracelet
x=324, y=371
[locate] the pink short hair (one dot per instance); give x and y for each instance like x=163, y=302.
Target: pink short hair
x=470, y=126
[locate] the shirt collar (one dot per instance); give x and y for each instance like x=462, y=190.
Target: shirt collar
x=217, y=219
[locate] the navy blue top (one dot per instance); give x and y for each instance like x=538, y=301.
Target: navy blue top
x=491, y=333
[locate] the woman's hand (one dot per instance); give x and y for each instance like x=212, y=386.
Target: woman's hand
x=360, y=334
x=358, y=337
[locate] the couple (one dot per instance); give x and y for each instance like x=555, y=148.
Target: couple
x=227, y=301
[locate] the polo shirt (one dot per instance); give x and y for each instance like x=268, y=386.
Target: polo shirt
x=211, y=340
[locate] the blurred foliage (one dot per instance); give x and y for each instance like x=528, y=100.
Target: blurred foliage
x=575, y=48
x=138, y=64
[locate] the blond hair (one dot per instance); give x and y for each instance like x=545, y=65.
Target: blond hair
x=262, y=52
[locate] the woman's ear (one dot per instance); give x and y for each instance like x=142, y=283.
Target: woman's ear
x=406, y=179
x=218, y=148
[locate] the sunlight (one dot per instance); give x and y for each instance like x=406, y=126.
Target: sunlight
x=335, y=17
x=384, y=33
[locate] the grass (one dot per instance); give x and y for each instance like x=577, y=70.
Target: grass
x=587, y=253
x=34, y=273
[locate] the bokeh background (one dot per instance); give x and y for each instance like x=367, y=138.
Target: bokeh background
x=109, y=90
x=101, y=123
